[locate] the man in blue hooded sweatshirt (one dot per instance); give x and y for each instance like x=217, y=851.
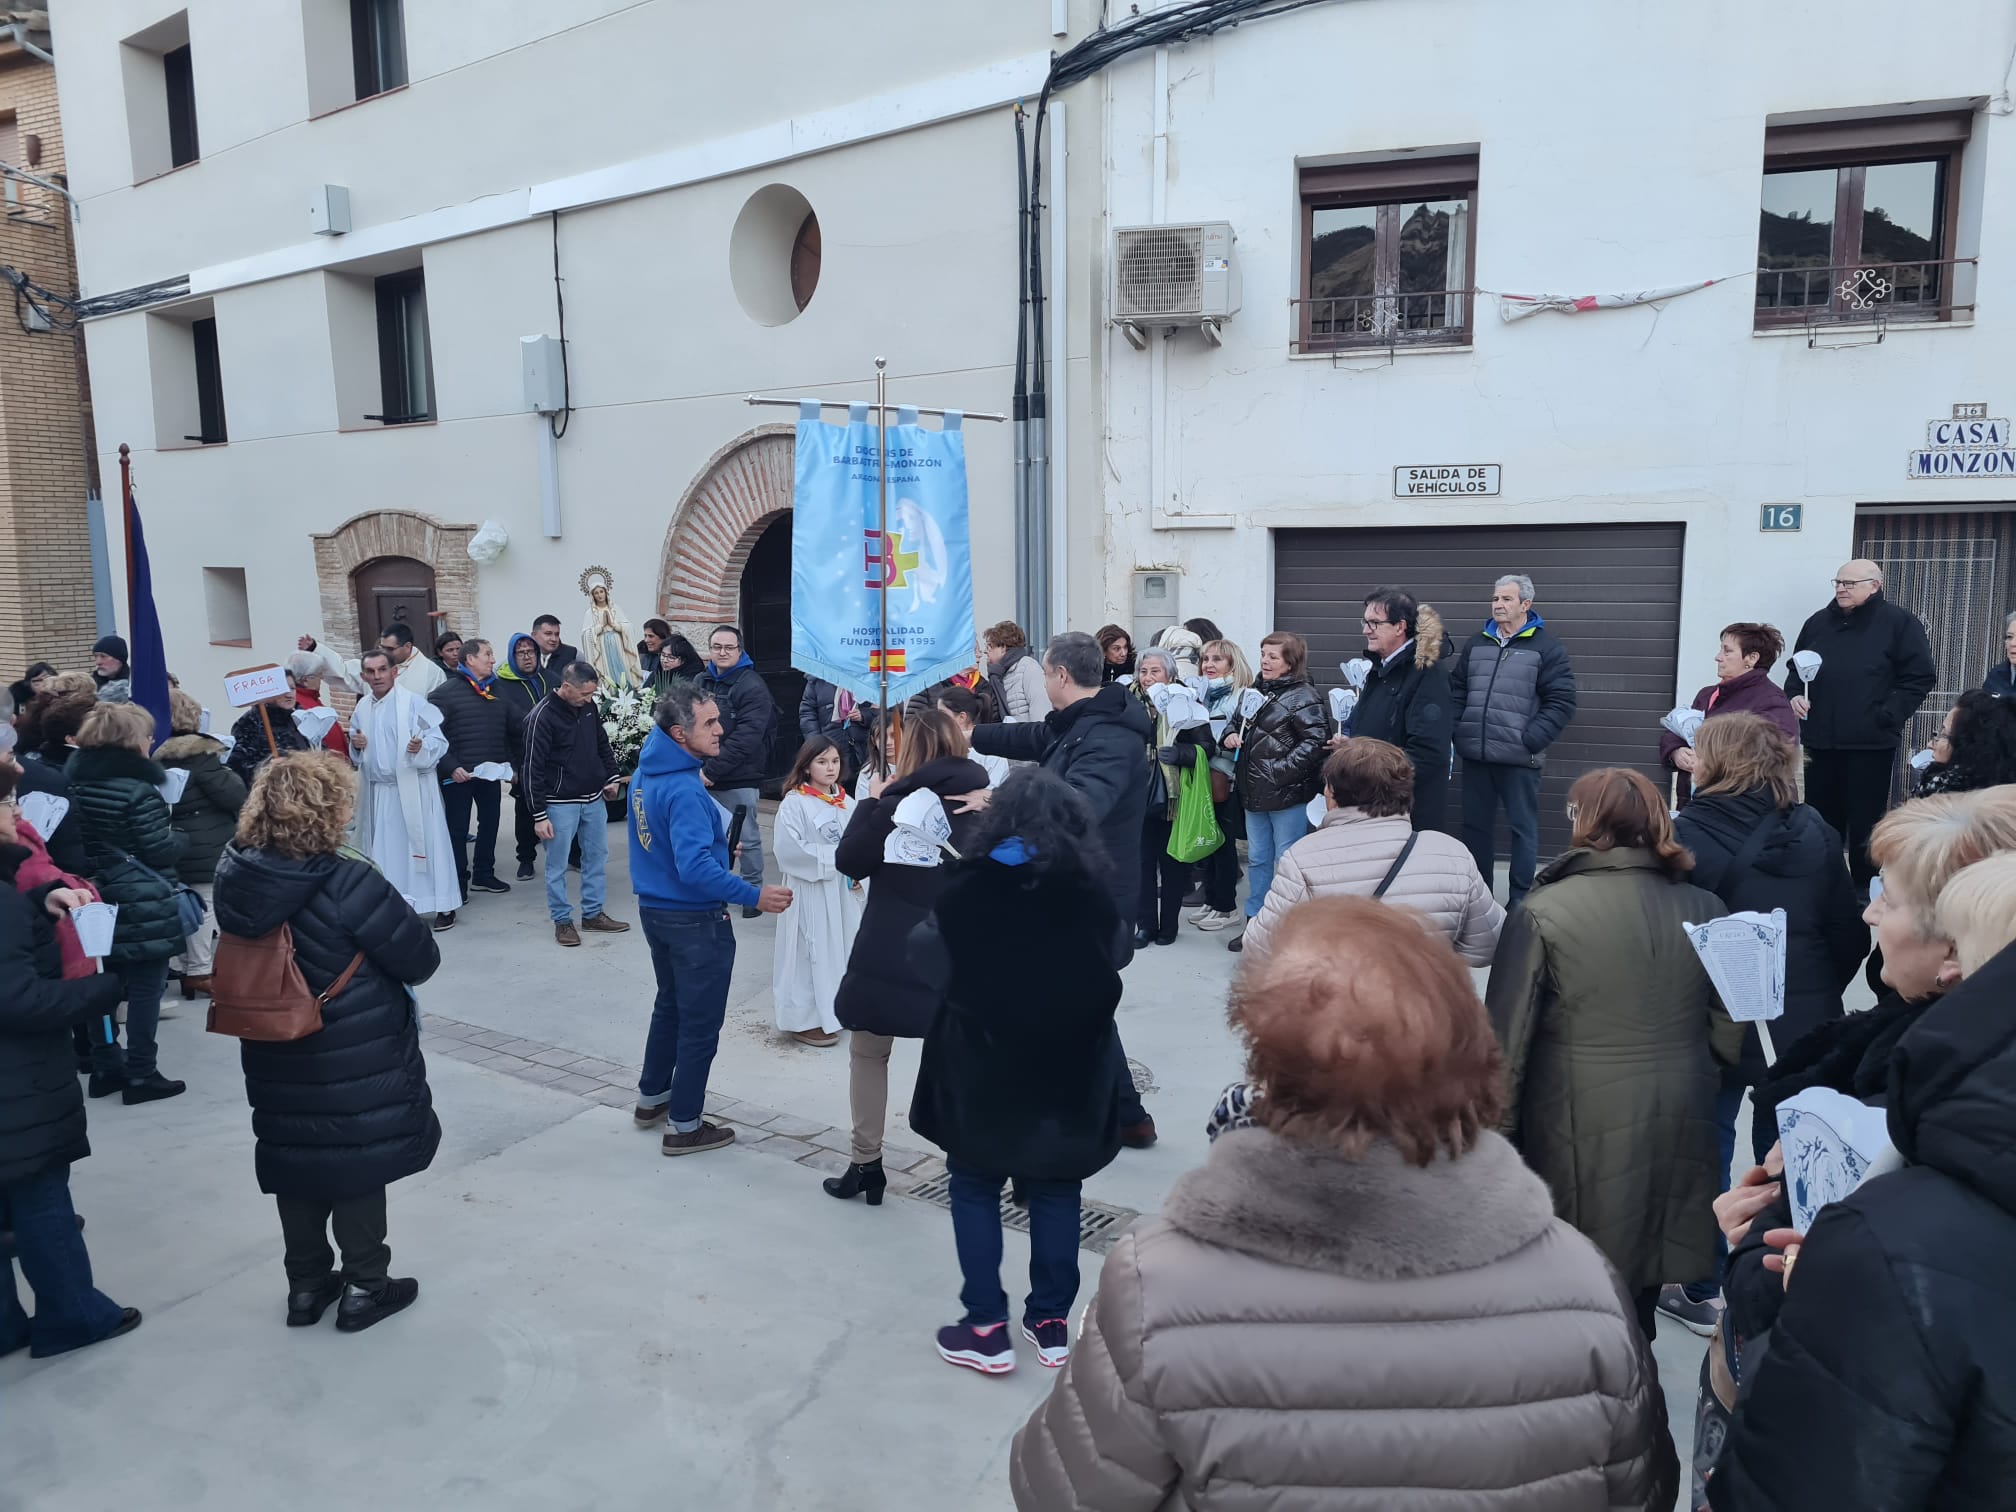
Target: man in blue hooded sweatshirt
x=679, y=867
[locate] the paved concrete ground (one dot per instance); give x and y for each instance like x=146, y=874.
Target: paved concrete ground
x=597, y=1324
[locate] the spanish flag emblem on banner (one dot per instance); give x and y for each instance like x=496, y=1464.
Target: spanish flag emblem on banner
x=889, y=661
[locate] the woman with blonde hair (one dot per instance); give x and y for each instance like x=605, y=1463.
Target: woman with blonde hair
x=1363, y=1290
x=342, y=1112
x=1226, y=676
x=204, y=816
x=130, y=849
x=1607, y=1019
x=1899, y=1337
x=883, y=998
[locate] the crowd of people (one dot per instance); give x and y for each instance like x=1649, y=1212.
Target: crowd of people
x=1517, y=1189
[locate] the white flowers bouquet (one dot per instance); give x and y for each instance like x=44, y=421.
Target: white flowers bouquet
x=626, y=720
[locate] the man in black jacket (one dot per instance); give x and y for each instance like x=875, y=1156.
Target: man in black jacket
x=483, y=725
x=555, y=655
x=570, y=774
x=1514, y=693
x=748, y=719
x=1095, y=738
x=1875, y=670
x=1405, y=701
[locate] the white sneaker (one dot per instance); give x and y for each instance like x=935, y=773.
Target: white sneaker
x=1203, y=912
x=1212, y=919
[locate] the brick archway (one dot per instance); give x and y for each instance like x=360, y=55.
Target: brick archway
x=744, y=486
x=394, y=533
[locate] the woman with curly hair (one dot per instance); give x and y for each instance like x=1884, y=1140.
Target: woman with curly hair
x=1975, y=748
x=1607, y=1019
x=340, y=1113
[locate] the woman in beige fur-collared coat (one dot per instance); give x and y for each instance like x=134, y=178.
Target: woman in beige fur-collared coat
x=1368, y=786
x=1363, y=1300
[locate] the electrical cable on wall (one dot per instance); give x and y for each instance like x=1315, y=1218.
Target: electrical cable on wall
x=559, y=422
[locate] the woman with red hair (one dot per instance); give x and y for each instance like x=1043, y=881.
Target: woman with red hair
x=1363, y=1290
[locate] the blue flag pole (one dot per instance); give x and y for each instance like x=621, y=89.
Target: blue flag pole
x=147, y=659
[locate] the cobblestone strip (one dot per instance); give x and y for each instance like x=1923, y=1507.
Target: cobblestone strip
x=819, y=1147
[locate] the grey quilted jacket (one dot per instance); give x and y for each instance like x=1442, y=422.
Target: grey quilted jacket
x=1350, y=854
x=1513, y=699
x=1308, y=1332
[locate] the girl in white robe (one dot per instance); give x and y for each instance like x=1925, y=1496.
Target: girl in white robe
x=816, y=933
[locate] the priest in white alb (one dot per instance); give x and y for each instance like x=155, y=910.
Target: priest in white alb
x=400, y=821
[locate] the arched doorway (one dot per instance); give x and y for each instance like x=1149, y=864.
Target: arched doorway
x=395, y=590
x=766, y=624
x=440, y=552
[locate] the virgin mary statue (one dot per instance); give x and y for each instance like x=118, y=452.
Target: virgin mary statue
x=607, y=641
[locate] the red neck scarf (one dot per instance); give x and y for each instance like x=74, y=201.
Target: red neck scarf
x=838, y=800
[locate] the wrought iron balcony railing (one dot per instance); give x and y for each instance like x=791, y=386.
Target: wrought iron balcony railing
x=1439, y=317
x=1860, y=292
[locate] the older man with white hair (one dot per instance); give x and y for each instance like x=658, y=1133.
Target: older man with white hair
x=1875, y=670
x=1514, y=692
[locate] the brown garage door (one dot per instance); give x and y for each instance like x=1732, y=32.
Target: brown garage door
x=1610, y=593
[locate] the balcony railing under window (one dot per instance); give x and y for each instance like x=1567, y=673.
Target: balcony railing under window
x=1434, y=317
x=1812, y=295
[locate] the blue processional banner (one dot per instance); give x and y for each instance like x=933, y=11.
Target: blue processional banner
x=840, y=562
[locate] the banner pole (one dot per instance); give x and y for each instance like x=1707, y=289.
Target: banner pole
x=882, y=538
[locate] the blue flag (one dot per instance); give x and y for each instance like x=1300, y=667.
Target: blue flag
x=147, y=662
x=840, y=561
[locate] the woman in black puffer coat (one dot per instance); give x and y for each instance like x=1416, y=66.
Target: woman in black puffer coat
x=345, y=1111
x=882, y=998
x=42, y=1115
x=204, y=816
x=131, y=849
x=1280, y=748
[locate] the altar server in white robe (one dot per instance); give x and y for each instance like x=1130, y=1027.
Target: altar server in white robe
x=400, y=821
x=816, y=934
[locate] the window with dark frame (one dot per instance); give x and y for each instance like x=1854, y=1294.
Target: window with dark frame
x=405, y=356
x=1387, y=254
x=1857, y=220
x=209, y=385
x=378, y=45
x=180, y=80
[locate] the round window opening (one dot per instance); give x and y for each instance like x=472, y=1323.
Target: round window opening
x=774, y=254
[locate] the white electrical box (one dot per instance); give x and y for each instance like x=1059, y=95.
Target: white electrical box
x=545, y=382
x=329, y=210
x=1155, y=604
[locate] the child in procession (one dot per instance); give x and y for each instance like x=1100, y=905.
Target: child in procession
x=815, y=936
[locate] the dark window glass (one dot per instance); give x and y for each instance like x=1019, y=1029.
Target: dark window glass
x=1901, y=225
x=1433, y=255
x=209, y=384
x=1387, y=272
x=1797, y=235
x=181, y=82
x=377, y=45
x=805, y=260
x=405, y=356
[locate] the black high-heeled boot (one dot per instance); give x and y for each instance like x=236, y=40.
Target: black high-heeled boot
x=858, y=1179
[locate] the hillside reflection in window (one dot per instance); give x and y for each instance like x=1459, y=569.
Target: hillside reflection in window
x=1847, y=239
x=1386, y=271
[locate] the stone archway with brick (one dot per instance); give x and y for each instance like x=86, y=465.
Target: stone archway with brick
x=394, y=533
x=744, y=486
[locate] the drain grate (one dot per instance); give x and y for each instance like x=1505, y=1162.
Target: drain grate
x=1100, y=1224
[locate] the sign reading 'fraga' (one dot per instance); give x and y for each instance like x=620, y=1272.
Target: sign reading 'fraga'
x=1970, y=444
x=1446, y=480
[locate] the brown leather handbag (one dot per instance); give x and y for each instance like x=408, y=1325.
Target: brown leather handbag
x=257, y=991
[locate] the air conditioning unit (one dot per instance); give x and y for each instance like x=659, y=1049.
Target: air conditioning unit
x=1174, y=276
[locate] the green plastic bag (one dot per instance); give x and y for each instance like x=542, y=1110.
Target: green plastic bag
x=1195, y=834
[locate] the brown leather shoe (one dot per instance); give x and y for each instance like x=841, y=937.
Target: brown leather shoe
x=707, y=1137
x=566, y=933
x=1138, y=1136
x=603, y=924
x=199, y=986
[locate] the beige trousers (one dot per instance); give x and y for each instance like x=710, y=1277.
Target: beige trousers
x=868, y=1091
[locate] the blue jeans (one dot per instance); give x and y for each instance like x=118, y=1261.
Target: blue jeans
x=1267, y=836
x=693, y=956
x=69, y=1311
x=976, y=1233
x=1728, y=1103
x=589, y=823
x=751, y=839
x=1487, y=784
x=145, y=982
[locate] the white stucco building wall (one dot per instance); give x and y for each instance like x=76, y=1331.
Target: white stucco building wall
x=1619, y=148
x=647, y=128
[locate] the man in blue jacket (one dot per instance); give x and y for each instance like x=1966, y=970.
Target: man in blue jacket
x=679, y=865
